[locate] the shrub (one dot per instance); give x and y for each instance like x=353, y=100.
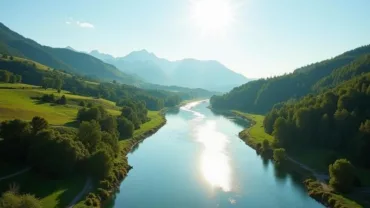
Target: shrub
x=341, y=175
x=279, y=155
x=82, y=103
x=103, y=194
x=48, y=98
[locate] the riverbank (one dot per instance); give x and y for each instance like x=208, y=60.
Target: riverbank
x=317, y=187
x=157, y=120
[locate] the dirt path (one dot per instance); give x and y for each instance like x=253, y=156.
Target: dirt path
x=14, y=174
x=82, y=193
x=319, y=176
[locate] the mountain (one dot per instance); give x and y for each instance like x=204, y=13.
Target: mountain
x=66, y=59
x=101, y=56
x=190, y=73
x=261, y=95
x=70, y=48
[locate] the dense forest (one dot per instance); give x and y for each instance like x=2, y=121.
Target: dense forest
x=261, y=95
x=336, y=120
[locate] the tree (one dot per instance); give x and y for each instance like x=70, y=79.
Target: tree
x=11, y=58
x=4, y=76
x=109, y=124
x=125, y=127
x=100, y=164
x=13, y=200
x=5, y=56
x=279, y=155
x=58, y=84
x=131, y=115
x=10, y=200
x=49, y=145
x=16, y=139
x=62, y=100
x=85, y=114
x=341, y=175
x=30, y=201
x=82, y=103
x=18, y=78
x=89, y=134
x=111, y=140
x=38, y=124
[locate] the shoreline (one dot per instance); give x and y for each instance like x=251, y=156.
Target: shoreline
x=316, y=188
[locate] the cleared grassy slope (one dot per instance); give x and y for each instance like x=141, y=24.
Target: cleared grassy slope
x=255, y=133
x=21, y=103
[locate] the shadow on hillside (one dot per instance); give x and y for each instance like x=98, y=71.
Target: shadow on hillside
x=74, y=124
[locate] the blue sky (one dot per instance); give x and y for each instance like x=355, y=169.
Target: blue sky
x=260, y=38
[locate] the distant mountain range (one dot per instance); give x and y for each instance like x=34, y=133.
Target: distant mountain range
x=192, y=73
x=80, y=63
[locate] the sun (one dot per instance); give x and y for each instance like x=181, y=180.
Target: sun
x=212, y=16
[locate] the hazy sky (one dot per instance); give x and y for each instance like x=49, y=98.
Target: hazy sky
x=257, y=38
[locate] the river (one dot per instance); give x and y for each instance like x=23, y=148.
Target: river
x=197, y=161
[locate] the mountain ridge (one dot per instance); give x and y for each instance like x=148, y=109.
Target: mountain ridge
x=188, y=72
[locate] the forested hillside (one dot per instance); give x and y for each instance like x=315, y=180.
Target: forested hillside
x=336, y=120
x=261, y=95
x=14, y=44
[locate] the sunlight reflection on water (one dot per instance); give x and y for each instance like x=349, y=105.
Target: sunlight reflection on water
x=215, y=165
x=214, y=161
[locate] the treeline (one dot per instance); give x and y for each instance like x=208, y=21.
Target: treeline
x=91, y=150
x=336, y=120
x=261, y=95
x=8, y=77
x=51, y=78
x=133, y=115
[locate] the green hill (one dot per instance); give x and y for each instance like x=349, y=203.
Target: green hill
x=18, y=101
x=60, y=58
x=261, y=95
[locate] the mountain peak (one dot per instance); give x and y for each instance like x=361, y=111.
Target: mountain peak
x=70, y=48
x=141, y=55
x=101, y=56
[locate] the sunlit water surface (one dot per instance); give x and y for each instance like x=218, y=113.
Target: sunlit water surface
x=197, y=160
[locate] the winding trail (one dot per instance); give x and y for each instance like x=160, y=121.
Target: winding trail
x=14, y=174
x=82, y=193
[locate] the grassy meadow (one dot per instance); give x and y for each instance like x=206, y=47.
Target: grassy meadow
x=255, y=133
x=20, y=102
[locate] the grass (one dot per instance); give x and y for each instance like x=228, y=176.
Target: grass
x=53, y=193
x=327, y=196
x=18, y=103
x=255, y=133
x=156, y=119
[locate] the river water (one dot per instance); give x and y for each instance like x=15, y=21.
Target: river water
x=197, y=161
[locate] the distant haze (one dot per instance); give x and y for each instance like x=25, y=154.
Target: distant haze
x=192, y=73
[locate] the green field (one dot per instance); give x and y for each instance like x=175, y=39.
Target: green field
x=256, y=133
x=21, y=103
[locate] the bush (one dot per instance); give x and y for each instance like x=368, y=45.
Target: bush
x=279, y=155
x=341, y=175
x=103, y=194
x=62, y=100
x=125, y=127
x=82, y=103
x=48, y=98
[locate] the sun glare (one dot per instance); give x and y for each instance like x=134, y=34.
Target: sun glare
x=212, y=16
